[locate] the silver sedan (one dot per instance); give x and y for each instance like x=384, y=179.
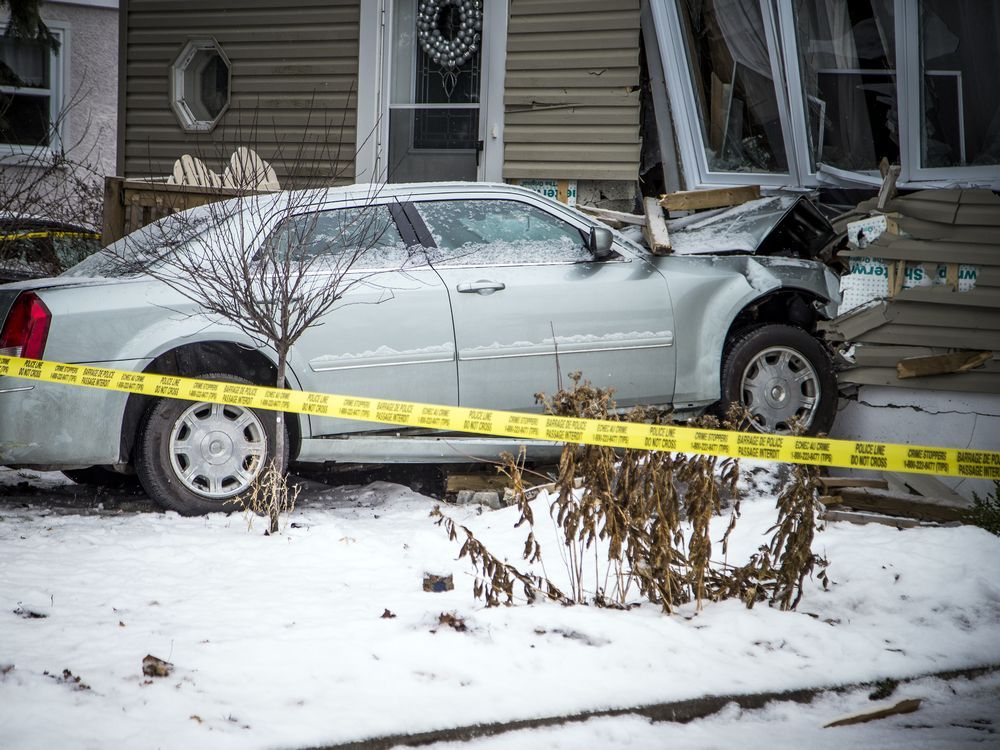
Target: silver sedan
x=513, y=290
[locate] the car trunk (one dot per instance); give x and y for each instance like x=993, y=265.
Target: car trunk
x=9, y=292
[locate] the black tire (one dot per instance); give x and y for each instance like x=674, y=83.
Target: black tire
x=221, y=461
x=780, y=373
x=98, y=476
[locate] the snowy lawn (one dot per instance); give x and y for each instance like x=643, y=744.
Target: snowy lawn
x=280, y=641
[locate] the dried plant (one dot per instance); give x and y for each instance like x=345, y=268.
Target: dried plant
x=777, y=571
x=495, y=579
x=271, y=496
x=641, y=522
x=985, y=511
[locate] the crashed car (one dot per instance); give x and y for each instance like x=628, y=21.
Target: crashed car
x=33, y=247
x=493, y=292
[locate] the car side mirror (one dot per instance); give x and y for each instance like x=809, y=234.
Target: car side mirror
x=599, y=242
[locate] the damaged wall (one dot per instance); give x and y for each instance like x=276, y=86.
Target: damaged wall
x=959, y=309
x=926, y=352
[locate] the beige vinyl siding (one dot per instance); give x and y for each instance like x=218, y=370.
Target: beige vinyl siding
x=571, y=98
x=942, y=226
x=294, y=84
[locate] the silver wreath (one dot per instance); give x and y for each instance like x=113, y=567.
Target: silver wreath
x=449, y=53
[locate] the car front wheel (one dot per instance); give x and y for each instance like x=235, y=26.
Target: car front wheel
x=783, y=377
x=197, y=457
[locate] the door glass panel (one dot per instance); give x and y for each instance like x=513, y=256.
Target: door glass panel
x=498, y=232
x=440, y=140
x=847, y=60
x=733, y=85
x=959, y=68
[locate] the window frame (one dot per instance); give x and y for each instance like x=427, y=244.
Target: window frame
x=780, y=36
x=186, y=117
x=687, y=118
x=908, y=28
x=59, y=74
x=809, y=177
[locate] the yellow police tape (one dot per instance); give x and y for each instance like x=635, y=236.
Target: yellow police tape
x=802, y=450
x=42, y=234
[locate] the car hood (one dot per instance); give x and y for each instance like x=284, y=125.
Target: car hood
x=785, y=225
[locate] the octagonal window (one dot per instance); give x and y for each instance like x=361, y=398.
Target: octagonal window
x=200, y=78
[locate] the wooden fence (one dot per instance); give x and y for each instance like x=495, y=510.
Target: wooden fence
x=131, y=204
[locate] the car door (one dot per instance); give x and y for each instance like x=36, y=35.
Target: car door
x=390, y=335
x=531, y=305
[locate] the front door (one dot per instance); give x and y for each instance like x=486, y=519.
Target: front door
x=437, y=84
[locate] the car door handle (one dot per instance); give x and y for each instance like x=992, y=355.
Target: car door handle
x=481, y=287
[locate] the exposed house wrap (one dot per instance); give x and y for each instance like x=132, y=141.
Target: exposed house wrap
x=293, y=64
x=571, y=95
x=957, y=229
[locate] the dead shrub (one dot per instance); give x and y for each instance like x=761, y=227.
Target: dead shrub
x=634, y=523
x=270, y=496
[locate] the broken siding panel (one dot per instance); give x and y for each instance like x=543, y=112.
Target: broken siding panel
x=957, y=338
x=966, y=382
x=939, y=227
x=893, y=247
x=887, y=355
x=929, y=230
x=975, y=207
x=294, y=75
x=980, y=296
x=571, y=90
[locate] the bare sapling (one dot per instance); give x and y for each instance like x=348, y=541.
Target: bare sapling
x=269, y=264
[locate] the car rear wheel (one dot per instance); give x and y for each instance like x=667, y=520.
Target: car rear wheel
x=196, y=458
x=783, y=377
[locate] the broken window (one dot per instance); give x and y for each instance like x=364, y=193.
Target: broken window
x=733, y=85
x=959, y=70
x=847, y=56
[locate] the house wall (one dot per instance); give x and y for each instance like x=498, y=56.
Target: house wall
x=88, y=120
x=91, y=90
x=572, y=90
x=294, y=85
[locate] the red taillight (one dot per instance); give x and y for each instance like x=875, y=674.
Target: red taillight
x=26, y=328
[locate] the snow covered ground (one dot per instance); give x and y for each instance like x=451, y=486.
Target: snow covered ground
x=281, y=641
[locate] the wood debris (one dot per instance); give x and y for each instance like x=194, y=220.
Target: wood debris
x=616, y=219
x=476, y=482
x=655, y=231
x=941, y=364
x=907, y=706
x=835, y=482
x=695, y=200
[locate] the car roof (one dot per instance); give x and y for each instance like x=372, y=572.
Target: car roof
x=403, y=191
